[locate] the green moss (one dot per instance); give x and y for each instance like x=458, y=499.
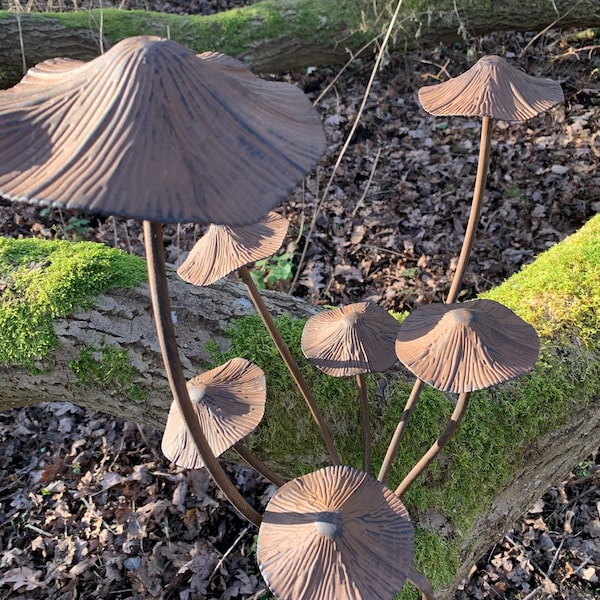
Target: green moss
x=558, y=293
x=232, y=32
x=498, y=429
x=41, y=280
x=109, y=369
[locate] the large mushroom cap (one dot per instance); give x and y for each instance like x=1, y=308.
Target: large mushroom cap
x=223, y=249
x=492, y=88
x=335, y=534
x=152, y=131
x=467, y=346
x=350, y=340
x=229, y=402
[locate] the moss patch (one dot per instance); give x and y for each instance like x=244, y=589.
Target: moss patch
x=41, y=280
x=107, y=369
x=497, y=429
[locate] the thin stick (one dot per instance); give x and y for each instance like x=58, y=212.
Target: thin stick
x=161, y=304
x=258, y=465
x=290, y=362
x=366, y=421
x=346, y=144
x=455, y=419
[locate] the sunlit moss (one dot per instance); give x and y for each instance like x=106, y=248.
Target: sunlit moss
x=497, y=429
x=41, y=280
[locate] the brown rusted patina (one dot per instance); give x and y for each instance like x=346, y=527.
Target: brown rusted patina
x=335, y=534
x=492, y=88
x=350, y=340
x=467, y=346
x=223, y=249
x=152, y=131
x=229, y=403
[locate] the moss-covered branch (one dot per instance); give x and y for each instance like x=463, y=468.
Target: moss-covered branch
x=278, y=35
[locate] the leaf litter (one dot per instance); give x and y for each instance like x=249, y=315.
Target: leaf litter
x=89, y=508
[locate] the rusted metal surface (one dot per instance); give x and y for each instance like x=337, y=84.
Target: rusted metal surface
x=223, y=249
x=152, y=131
x=350, y=340
x=335, y=534
x=467, y=346
x=492, y=88
x=229, y=403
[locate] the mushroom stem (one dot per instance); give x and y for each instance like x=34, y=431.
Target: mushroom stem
x=290, y=362
x=478, y=192
x=400, y=429
x=258, y=465
x=476, y=206
x=422, y=584
x=361, y=383
x=446, y=435
x=161, y=304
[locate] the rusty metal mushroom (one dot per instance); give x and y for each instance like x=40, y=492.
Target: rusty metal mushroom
x=352, y=340
x=461, y=348
x=224, y=249
x=335, y=534
x=152, y=131
x=229, y=402
x=491, y=89
x=468, y=346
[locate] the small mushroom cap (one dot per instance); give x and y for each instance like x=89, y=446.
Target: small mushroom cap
x=149, y=130
x=492, y=88
x=335, y=534
x=467, y=346
x=229, y=402
x=223, y=249
x=350, y=340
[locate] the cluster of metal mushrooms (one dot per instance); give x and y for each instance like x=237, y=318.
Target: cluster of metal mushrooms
x=152, y=131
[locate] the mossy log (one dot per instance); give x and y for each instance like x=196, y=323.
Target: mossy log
x=516, y=440
x=279, y=35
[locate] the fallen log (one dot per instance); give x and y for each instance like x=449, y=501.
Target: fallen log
x=277, y=36
x=516, y=441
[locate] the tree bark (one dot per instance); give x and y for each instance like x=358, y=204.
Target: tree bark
x=122, y=320
x=276, y=36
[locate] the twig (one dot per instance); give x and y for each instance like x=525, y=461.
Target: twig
x=361, y=202
x=346, y=144
x=546, y=29
x=341, y=71
x=228, y=552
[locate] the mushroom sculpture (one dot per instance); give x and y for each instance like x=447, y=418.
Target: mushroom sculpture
x=462, y=348
x=223, y=249
x=493, y=90
x=152, y=131
x=335, y=534
x=352, y=340
x=229, y=402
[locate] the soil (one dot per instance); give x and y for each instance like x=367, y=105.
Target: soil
x=88, y=506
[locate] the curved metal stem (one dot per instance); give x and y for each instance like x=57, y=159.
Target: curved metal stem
x=455, y=419
x=161, y=304
x=400, y=429
x=290, y=362
x=361, y=383
x=476, y=206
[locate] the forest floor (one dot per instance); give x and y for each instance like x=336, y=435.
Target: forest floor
x=88, y=506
